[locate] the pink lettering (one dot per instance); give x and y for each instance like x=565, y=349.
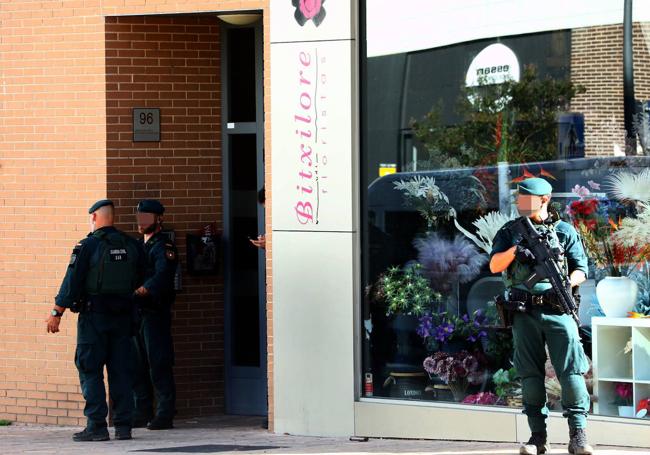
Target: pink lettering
x=304, y=212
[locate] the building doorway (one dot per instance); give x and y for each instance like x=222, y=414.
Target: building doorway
x=243, y=176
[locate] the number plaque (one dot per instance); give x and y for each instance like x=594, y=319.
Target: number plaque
x=146, y=124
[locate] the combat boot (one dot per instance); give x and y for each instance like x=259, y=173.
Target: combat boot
x=536, y=445
x=578, y=442
x=123, y=433
x=159, y=423
x=99, y=434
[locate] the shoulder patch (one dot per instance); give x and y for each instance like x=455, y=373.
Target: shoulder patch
x=75, y=253
x=170, y=254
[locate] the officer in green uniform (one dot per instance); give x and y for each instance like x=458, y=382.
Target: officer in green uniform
x=153, y=341
x=543, y=323
x=103, y=272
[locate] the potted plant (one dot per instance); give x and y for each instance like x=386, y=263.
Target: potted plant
x=458, y=370
x=624, y=399
x=507, y=387
x=404, y=295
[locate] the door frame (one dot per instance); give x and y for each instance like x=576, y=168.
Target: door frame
x=228, y=129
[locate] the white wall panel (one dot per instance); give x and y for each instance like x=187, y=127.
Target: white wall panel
x=313, y=333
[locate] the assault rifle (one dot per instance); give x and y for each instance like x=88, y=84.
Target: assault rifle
x=546, y=266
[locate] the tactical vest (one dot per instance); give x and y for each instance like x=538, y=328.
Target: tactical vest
x=115, y=270
x=517, y=273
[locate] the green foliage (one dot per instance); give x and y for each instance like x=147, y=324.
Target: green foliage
x=5, y=423
x=511, y=121
x=405, y=291
x=505, y=382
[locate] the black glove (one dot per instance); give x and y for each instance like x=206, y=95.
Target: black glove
x=524, y=255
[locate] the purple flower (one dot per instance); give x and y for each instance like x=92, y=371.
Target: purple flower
x=425, y=328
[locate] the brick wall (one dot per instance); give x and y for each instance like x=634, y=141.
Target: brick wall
x=597, y=64
x=55, y=160
x=172, y=63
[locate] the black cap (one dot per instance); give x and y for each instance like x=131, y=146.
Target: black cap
x=99, y=204
x=150, y=206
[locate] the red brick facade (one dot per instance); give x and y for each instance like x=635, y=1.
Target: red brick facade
x=172, y=63
x=597, y=64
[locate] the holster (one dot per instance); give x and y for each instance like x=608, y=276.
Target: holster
x=506, y=310
x=80, y=306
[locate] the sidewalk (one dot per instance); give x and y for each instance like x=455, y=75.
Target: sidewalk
x=229, y=434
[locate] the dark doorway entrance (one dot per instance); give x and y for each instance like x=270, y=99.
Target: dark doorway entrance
x=243, y=176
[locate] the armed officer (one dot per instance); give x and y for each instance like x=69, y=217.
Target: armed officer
x=103, y=272
x=153, y=341
x=543, y=321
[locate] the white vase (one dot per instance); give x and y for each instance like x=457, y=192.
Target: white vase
x=626, y=411
x=617, y=295
x=588, y=302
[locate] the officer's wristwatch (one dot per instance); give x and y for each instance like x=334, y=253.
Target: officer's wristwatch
x=55, y=313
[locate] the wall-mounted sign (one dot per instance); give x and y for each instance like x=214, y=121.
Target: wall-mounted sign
x=146, y=124
x=495, y=64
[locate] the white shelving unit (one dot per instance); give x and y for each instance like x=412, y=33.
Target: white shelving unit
x=612, y=365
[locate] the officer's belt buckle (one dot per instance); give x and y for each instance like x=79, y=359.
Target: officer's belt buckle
x=537, y=300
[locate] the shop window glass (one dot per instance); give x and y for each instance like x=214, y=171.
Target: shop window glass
x=452, y=121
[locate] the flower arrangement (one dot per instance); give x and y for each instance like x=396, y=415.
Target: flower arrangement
x=447, y=261
x=455, y=367
x=484, y=398
x=427, y=198
x=634, y=232
x=623, y=393
x=440, y=329
x=405, y=291
x=594, y=218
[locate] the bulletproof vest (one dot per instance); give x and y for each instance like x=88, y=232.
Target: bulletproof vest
x=115, y=270
x=517, y=273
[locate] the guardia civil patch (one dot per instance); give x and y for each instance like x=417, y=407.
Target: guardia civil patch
x=118, y=255
x=170, y=254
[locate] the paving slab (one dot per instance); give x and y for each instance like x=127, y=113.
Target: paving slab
x=237, y=435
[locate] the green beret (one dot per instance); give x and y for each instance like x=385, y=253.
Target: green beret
x=535, y=186
x=99, y=204
x=150, y=206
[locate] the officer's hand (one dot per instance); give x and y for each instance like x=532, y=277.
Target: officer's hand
x=53, y=324
x=524, y=255
x=141, y=292
x=517, y=239
x=260, y=242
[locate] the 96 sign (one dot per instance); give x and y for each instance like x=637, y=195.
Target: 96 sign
x=146, y=125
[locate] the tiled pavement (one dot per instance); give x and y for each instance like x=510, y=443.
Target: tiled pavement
x=228, y=434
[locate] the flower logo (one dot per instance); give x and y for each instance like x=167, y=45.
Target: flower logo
x=309, y=10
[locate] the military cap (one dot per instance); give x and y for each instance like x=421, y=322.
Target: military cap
x=150, y=206
x=535, y=186
x=99, y=204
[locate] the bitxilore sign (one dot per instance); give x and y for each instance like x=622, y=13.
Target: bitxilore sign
x=313, y=112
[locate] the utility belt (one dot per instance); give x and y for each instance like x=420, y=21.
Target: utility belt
x=116, y=305
x=547, y=301
x=520, y=301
